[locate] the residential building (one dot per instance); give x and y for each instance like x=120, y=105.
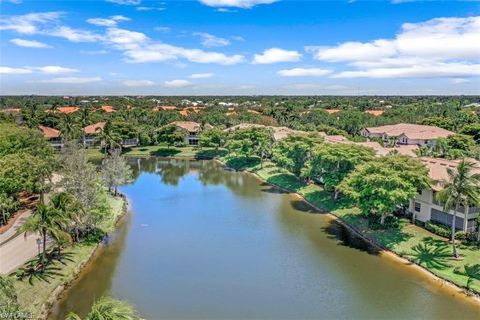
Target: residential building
x=193, y=129
x=278, y=132
x=91, y=133
x=407, y=133
x=53, y=136
x=426, y=207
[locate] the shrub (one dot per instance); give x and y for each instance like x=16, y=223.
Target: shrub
x=391, y=222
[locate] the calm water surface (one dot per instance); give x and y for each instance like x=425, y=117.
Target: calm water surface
x=205, y=243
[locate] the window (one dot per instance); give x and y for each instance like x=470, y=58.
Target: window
x=418, y=206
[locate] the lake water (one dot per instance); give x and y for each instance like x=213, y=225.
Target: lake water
x=205, y=243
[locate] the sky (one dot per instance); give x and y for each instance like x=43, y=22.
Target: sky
x=239, y=47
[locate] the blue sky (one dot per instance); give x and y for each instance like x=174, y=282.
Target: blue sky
x=224, y=47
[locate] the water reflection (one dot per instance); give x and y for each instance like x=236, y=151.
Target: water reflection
x=207, y=243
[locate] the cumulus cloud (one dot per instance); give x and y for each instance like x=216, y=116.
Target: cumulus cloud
x=441, y=47
x=29, y=43
x=30, y=23
x=149, y=8
x=275, y=55
x=304, y=72
x=178, y=84
x=244, y=4
x=201, y=75
x=72, y=80
x=136, y=46
x=210, y=40
x=138, y=83
x=107, y=22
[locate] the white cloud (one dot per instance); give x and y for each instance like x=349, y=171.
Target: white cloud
x=150, y=8
x=126, y=2
x=210, y=40
x=8, y=70
x=441, y=47
x=54, y=69
x=74, y=35
x=72, y=80
x=29, y=23
x=125, y=39
x=29, y=43
x=244, y=4
x=160, y=52
x=107, y=22
x=275, y=55
x=45, y=69
x=304, y=72
x=138, y=83
x=201, y=75
x=178, y=84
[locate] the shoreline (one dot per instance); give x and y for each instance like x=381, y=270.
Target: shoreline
x=55, y=295
x=469, y=295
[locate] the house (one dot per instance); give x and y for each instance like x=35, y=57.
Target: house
x=53, y=136
x=108, y=109
x=278, y=132
x=375, y=113
x=426, y=207
x=193, y=129
x=91, y=133
x=67, y=110
x=407, y=133
x=11, y=110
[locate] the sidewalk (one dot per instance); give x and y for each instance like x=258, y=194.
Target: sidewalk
x=17, y=251
x=18, y=223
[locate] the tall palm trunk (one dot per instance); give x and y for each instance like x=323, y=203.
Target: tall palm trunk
x=454, y=247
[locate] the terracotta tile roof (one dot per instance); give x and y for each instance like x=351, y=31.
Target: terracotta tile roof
x=184, y=112
x=108, y=109
x=94, y=128
x=411, y=131
x=332, y=111
x=11, y=110
x=375, y=113
x=158, y=108
x=49, y=133
x=190, y=126
x=438, y=169
x=68, y=110
x=278, y=132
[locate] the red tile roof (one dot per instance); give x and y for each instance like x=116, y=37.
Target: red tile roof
x=108, y=109
x=94, y=128
x=49, y=133
x=375, y=113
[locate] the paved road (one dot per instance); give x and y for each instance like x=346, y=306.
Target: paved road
x=17, y=251
x=18, y=223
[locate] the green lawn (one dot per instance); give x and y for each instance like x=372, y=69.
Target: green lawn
x=409, y=241
x=163, y=151
x=32, y=296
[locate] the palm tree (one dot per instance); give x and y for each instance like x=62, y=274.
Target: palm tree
x=48, y=221
x=108, y=309
x=463, y=189
x=109, y=138
x=84, y=118
x=70, y=208
x=68, y=127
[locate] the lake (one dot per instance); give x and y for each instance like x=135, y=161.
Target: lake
x=202, y=242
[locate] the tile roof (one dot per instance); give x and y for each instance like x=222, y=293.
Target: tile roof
x=438, y=169
x=68, y=110
x=190, y=126
x=49, y=133
x=108, y=109
x=411, y=131
x=94, y=128
x=278, y=132
x=375, y=112
x=158, y=108
x=11, y=110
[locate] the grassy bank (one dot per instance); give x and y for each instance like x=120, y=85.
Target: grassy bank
x=163, y=151
x=32, y=296
x=416, y=244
